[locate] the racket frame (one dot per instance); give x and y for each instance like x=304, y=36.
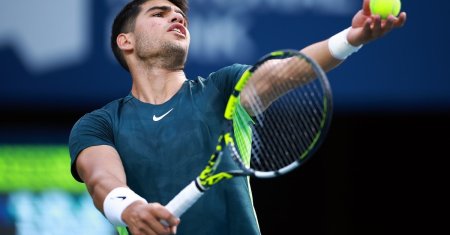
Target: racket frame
x=208, y=177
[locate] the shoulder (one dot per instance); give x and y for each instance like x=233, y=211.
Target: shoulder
x=234, y=70
x=103, y=116
x=222, y=78
x=93, y=129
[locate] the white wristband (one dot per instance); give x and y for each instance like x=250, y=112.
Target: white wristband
x=116, y=202
x=339, y=47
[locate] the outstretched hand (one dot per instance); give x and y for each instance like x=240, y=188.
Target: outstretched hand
x=367, y=27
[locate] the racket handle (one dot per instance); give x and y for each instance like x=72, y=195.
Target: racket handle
x=183, y=200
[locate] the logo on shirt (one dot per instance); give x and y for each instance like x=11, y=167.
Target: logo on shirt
x=157, y=119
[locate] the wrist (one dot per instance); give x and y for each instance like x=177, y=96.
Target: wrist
x=116, y=202
x=339, y=46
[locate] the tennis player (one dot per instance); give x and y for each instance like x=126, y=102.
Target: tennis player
x=136, y=153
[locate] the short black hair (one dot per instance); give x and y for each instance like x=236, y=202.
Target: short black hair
x=125, y=22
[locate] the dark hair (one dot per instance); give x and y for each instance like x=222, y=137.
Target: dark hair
x=125, y=22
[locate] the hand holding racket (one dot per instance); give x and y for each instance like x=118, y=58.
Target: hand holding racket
x=277, y=116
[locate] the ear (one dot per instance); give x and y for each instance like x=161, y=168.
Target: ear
x=124, y=41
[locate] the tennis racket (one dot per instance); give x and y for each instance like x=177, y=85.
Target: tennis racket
x=277, y=117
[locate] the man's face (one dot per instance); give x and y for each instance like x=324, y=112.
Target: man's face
x=161, y=30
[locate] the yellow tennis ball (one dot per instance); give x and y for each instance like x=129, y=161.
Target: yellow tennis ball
x=384, y=8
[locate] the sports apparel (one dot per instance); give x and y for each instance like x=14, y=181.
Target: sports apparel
x=164, y=147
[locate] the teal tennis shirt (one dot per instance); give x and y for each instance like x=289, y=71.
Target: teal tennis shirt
x=164, y=147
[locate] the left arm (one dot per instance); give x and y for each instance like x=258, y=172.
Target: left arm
x=365, y=28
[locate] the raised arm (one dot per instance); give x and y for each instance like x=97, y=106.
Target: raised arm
x=102, y=171
x=364, y=29
x=328, y=54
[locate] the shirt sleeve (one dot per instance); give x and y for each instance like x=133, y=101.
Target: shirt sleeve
x=92, y=129
x=226, y=78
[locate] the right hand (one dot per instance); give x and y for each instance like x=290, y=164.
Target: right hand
x=144, y=219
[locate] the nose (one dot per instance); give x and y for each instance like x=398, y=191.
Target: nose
x=178, y=18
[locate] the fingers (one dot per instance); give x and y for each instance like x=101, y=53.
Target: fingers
x=160, y=213
x=392, y=21
x=401, y=19
x=366, y=8
x=367, y=28
x=376, y=26
x=379, y=27
x=169, y=220
x=165, y=215
x=146, y=220
x=395, y=22
x=388, y=24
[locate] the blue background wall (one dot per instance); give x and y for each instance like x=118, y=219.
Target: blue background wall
x=378, y=172
x=74, y=68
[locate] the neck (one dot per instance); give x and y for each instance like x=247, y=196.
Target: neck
x=156, y=85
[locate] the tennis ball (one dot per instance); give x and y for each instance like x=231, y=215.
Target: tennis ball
x=384, y=8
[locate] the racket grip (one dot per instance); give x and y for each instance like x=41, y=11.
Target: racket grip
x=183, y=200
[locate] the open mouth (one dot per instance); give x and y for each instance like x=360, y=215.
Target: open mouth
x=178, y=28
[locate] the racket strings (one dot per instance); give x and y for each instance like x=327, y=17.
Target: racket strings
x=285, y=112
x=285, y=131
x=259, y=135
x=309, y=113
